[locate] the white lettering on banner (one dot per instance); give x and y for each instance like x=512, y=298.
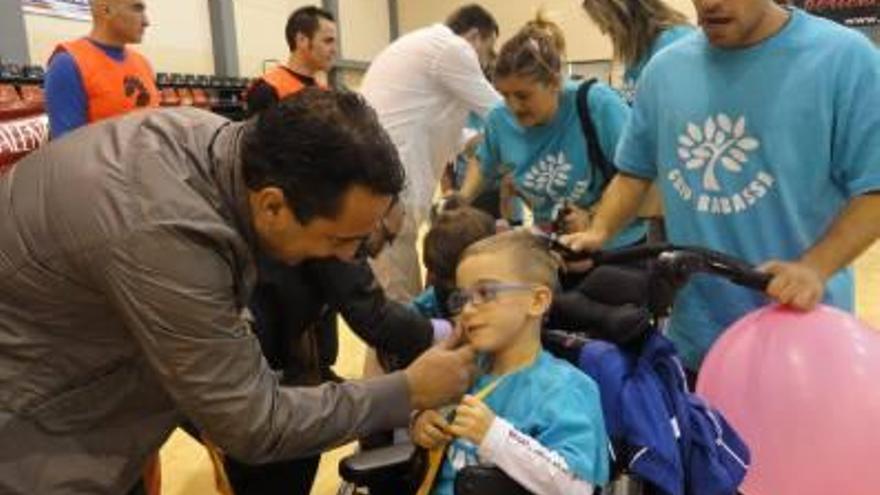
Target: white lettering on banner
x=23, y=135
x=7, y=144
x=837, y=4
x=716, y=149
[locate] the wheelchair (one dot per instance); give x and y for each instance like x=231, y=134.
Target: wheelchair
x=626, y=296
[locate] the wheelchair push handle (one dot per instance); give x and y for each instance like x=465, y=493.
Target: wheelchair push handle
x=682, y=261
x=735, y=270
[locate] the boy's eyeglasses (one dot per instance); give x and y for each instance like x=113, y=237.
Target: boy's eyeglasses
x=481, y=294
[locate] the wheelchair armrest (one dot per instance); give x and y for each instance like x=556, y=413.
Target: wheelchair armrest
x=483, y=480
x=377, y=465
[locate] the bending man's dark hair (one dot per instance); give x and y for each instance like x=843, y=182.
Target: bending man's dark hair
x=304, y=20
x=315, y=145
x=472, y=16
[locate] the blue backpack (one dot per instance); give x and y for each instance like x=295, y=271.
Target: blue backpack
x=660, y=432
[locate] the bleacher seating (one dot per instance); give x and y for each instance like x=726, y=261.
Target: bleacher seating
x=186, y=96
x=24, y=125
x=169, y=97
x=10, y=73
x=32, y=94
x=223, y=95
x=200, y=98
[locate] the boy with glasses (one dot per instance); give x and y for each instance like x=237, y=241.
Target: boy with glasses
x=534, y=416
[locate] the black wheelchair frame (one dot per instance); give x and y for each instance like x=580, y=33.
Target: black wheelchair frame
x=396, y=469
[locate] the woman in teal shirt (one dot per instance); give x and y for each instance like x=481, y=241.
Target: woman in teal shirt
x=638, y=30
x=537, y=138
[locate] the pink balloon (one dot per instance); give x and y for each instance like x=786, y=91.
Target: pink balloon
x=803, y=389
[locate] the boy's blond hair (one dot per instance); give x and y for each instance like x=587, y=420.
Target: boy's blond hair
x=532, y=260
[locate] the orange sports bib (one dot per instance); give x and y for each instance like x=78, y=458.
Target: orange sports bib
x=112, y=87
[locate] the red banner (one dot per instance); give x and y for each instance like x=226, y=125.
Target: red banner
x=68, y=9
x=20, y=136
x=850, y=12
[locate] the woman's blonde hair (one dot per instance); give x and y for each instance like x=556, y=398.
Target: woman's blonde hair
x=633, y=25
x=536, y=51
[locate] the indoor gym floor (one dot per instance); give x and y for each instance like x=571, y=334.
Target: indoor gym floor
x=186, y=469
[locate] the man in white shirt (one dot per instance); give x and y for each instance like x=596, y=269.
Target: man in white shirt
x=423, y=86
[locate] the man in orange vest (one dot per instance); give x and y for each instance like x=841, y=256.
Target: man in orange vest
x=311, y=36
x=97, y=77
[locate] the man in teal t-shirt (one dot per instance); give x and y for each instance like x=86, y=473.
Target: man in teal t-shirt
x=764, y=134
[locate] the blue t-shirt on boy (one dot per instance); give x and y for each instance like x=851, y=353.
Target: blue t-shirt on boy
x=554, y=403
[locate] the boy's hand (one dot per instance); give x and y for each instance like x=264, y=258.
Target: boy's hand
x=430, y=430
x=472, y=420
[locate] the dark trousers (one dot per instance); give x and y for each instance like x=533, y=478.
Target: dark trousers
x=328, y=341
x=294, y=477
x=138, y=489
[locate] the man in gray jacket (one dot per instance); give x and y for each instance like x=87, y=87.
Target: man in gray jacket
x=125, y=267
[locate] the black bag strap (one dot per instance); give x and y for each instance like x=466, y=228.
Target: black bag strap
x=594, y=150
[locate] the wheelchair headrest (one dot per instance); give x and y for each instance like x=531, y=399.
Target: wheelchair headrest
x=617, y=303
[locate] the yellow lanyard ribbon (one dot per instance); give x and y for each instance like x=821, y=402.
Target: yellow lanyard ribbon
x=435, y=456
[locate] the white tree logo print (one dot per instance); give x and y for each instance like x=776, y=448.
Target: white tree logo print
x=551, y=173
x=580, y=188
x=718, y=141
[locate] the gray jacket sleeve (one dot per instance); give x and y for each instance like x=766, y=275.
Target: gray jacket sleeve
x=176, y=292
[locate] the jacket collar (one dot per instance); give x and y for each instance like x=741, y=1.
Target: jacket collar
x=225, y=152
